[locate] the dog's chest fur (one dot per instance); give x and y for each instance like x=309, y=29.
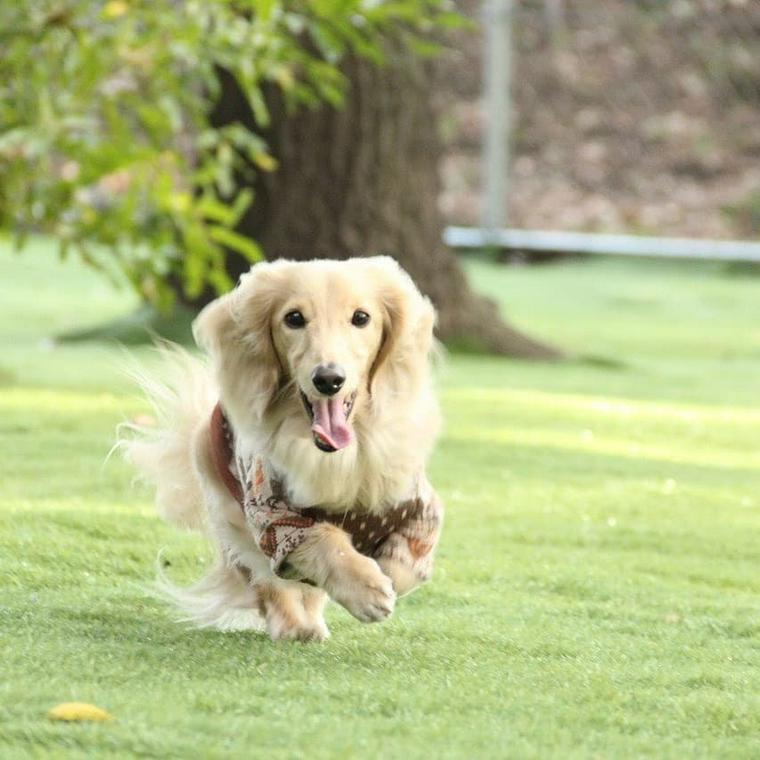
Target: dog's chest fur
x=373, y=475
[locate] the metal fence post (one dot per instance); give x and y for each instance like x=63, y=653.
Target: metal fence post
x=497, y=61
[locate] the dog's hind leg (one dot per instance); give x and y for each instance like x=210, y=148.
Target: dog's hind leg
x=292, y=610
x=314, y=601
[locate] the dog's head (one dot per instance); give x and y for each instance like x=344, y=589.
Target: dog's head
x=326, y=340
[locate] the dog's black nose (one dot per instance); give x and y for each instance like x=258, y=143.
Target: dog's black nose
x=328, y=378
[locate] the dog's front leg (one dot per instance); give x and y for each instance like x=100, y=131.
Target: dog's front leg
x=399, y=562
x=406, y=556
x=356, y=582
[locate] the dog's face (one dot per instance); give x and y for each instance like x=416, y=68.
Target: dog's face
x=319, y=340
x=327, y=332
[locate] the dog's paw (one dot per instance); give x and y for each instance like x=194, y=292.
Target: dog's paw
x=282, y=629
x=291, y=613
x=362, y=588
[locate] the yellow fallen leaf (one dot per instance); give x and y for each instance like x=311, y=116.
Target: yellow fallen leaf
x=78, y=711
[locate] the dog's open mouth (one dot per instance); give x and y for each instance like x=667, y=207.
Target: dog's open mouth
x=329, y=421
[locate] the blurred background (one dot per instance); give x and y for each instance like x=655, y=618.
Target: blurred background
x=622, y=116
x=170, y=151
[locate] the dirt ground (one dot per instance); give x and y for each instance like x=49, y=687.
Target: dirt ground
x=627, y=115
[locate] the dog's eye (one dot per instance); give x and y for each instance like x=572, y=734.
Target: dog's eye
x=360, y=318
x=295, y=320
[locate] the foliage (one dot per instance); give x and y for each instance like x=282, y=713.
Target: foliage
x=105, y=136
x=596, y=587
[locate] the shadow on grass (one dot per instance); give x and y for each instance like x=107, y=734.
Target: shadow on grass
x=138, y=328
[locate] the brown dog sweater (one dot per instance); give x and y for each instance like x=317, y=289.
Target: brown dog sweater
x=408, y=532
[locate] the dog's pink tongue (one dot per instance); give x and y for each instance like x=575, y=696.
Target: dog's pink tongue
x=330, y=422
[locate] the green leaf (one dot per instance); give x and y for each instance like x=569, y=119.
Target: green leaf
x=237, y=242
x=107, y=130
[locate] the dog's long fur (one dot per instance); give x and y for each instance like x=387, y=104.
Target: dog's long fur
x=257, y=369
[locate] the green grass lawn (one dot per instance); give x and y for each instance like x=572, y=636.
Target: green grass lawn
x=597, y=591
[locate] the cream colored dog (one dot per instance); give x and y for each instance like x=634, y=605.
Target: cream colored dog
x=322, y=376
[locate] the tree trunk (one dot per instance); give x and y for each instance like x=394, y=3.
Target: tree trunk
x=363, y=180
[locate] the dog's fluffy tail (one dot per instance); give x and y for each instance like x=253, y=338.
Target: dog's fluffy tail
x=222, y=599
x=161, y=449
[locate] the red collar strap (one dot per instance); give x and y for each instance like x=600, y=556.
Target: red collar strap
x=222, y=452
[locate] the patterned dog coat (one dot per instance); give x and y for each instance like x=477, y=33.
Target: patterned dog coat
x=408, y=532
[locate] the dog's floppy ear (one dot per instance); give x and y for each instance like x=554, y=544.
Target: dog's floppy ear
x=408, y=322
x=214, y=324
x=235, y=331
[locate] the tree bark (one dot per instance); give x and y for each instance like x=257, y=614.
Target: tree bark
x=363, y=180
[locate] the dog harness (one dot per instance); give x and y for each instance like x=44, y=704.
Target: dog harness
x=408, y=531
